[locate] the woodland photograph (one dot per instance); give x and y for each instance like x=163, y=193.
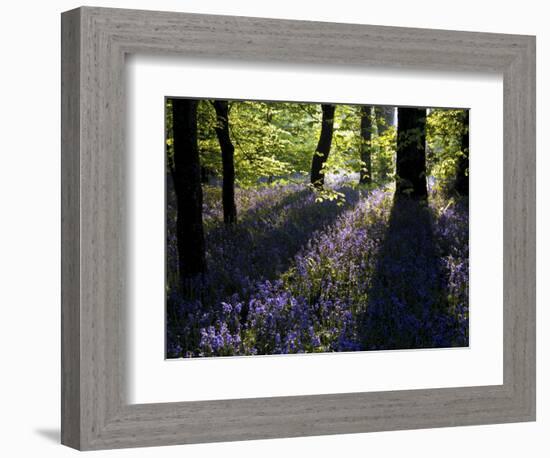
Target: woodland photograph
x=309, y=227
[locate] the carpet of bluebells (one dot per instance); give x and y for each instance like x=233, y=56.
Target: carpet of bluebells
x=295, y=275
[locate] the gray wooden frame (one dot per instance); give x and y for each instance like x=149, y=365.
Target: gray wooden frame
x=95, y=414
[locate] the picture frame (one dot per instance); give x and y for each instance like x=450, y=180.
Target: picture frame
x=95, y=410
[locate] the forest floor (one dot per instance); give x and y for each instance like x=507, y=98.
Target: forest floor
x=296, y=275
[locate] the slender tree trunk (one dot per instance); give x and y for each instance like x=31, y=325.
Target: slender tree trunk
x=365, y=175
x=187, y=185
x=205, y=175
x=323, y=147
x=384, y=118
x=228, y=150
x=411, y=154
x=462, y=182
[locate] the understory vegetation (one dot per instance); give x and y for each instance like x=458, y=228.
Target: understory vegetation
x=299, y=276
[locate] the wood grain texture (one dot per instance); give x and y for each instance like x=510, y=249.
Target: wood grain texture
x=95, y=411
x=70, y=229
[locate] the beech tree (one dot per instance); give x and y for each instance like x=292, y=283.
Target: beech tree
x=411, y=154
x=384, y=118
x=365, y=174
x=383, y=144
x=188, y=190
x=321, y=154
x=228, y=162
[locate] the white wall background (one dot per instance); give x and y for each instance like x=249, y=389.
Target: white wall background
x=30, y=228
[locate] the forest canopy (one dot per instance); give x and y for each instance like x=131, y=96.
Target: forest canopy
x=274, y=141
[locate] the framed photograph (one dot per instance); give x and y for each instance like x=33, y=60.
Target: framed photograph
x=277, y=228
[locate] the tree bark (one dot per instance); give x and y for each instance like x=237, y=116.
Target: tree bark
x=323, y=146
x=365, y=174
x=411, y=154
x=228, y=152
x=462, y=182
x=187, y=185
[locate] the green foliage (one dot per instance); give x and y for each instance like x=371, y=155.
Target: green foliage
x=344, y=158
x=257, y=143
x=345, y=154
x=444, y=130
x=329, y=194
x=383, y=157
x=275, y=142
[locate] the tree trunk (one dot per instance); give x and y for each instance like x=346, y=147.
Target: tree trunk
x=365, y=175
x=411, y=154
x=462, y=182
x=323, y=147
x=228, y=150
x=384, y=118
x=187, y=185
x=205, y=175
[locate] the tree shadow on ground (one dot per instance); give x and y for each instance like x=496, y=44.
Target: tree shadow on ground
x=262, y=245
x=406, y=300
